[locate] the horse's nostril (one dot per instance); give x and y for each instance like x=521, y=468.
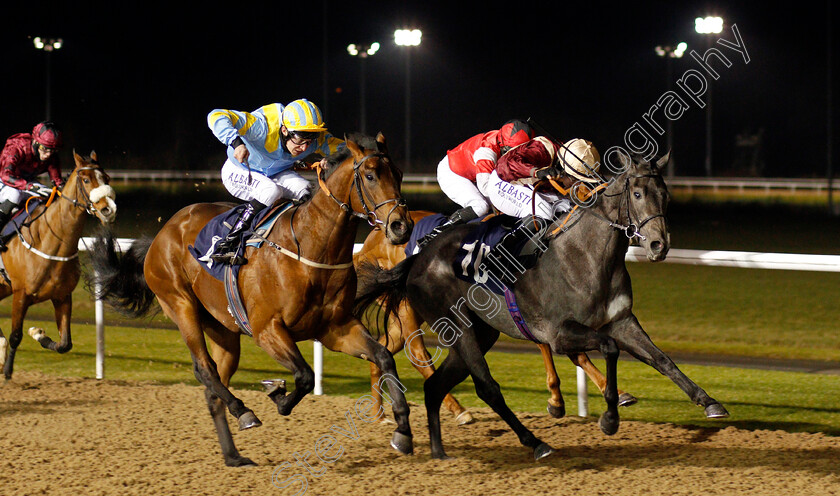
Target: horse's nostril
x=656, y=246
x=398, y=226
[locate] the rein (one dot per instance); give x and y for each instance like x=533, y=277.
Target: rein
x=87, y=207
x=631, y=229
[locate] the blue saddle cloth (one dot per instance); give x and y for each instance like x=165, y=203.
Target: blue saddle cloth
x=217, y=229
x=20, y=217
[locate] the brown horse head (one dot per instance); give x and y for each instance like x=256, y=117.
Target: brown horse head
x=375, y=191
x=88, y=186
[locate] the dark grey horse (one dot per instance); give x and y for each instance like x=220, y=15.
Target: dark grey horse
x=576, y=298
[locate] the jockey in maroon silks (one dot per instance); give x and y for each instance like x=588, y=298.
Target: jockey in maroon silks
x=24, y=157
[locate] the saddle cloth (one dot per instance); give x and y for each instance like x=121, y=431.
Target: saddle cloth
x=20, y=217
x=471, y=262
x=217, y=229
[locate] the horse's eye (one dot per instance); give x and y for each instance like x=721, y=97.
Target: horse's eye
x=637, y=195
x=86, y=181
x=369, y=177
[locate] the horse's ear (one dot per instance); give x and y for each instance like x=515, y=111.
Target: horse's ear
x=77, y=157
x=626, y=161
x=663, y=161
x=93, y=156
x=381, y=146
x=353, y=147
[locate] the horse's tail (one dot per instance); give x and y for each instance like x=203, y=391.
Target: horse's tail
x=118, y=279
x=386, y=287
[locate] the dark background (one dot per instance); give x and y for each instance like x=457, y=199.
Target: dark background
x=135, y=82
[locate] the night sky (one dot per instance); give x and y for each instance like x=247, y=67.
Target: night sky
x=136, y=83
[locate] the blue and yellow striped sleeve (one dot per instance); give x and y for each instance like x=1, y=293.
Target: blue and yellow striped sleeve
x=329, y=144
x=228, y=124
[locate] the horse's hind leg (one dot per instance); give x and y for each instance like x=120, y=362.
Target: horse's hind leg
x=188, y=319
x=582, y=360
x=63, y=310
x=471, y=346
x=225, y=349
x=405, y=330
x=20, y=304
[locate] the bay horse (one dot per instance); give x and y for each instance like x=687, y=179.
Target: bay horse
x=401, y=332
x=576, y=298
x=299, y=285
x=42, y=261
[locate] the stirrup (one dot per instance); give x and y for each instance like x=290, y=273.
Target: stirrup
x=229, y=258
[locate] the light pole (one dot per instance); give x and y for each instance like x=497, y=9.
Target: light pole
x=48, y=45
x=363, y=52
x=407, y=38
x=708, y=25
x=670, y=53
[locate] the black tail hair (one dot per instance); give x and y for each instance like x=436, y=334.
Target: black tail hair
x=118, y=279
x=388, y=287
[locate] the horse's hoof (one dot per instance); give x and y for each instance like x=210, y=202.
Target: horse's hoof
x=464, y=418
x=274, y=387
x=37, y=333
x=441, y=456
x=248, y=420
x=626, y=399
x=386, y=420
x=542, y=451
x=608, y=423
x=240, y=461
x=716, y=410
x=557, y=411
x=402, y=443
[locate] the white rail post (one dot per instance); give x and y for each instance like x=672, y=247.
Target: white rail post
x=318, y=359
x=100, y=332
x=583, y=398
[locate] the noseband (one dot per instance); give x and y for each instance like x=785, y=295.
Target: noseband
x=364, y=196
x=87, y=206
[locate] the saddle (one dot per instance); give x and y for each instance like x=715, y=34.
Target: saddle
x=217, y=229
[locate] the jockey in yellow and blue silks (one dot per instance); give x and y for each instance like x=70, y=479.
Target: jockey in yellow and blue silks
x=263, y=147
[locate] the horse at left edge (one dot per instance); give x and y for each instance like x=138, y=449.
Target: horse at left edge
x=42, y=260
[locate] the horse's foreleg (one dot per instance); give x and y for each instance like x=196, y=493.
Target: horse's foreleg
x=63, y=309
x=20, y=304
x=582, y=360
x=609, y=420
x=280, y=346
x=353, y=339
x=631, y=337
x=556, y=403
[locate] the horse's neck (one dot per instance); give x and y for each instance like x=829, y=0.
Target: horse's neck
x=60, y=227
x=592, y=235
x=329, y=229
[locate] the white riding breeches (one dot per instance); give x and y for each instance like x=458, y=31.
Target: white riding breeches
x=287, y=184
x=519, y=200
x=461, y=190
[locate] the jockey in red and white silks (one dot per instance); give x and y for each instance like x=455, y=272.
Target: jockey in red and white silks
x=464, y=172
x=511, y=185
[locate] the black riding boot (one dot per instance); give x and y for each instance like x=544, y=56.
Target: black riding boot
x=5, y=214
x=506, y=258
x=459, y=217
x=226, y=249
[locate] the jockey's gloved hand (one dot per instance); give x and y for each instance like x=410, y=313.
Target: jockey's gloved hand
x=58, y=184
x=546, y=171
